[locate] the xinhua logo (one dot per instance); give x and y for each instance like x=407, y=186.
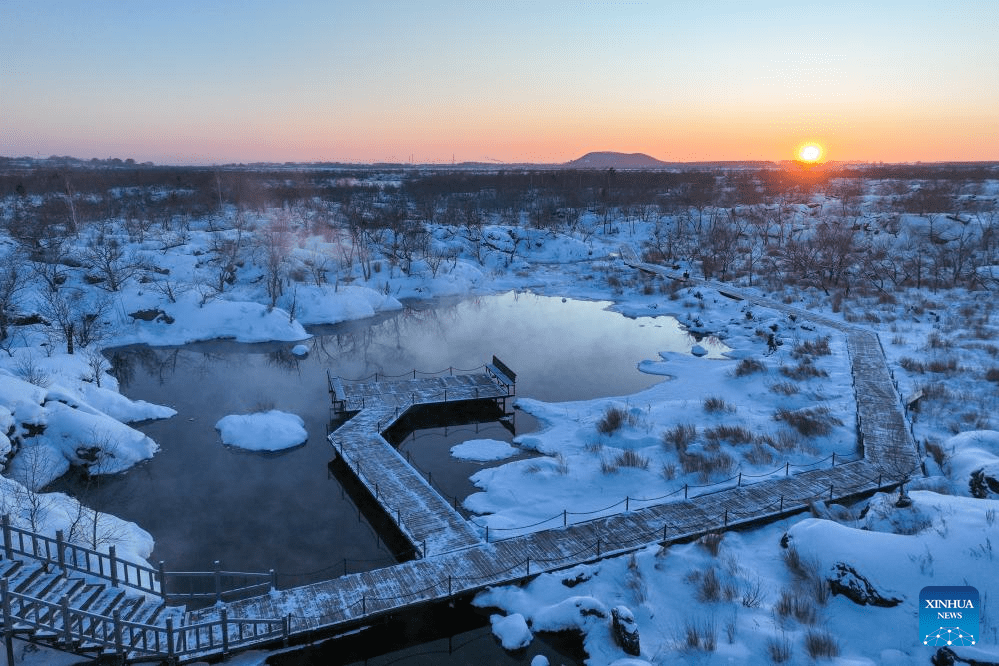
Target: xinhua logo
x=948, y=615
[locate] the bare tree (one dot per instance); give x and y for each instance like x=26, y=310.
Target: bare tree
x=13, y=279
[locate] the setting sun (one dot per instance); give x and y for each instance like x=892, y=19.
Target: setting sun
x=810, y=152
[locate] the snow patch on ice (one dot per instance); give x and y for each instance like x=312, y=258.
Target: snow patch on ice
x=483, y=450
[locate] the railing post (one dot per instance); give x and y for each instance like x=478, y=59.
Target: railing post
x=830, y=491
x=449, y=585
x=273, y=580
x=627, y=503
x=169, y=636
x=598, y=546
x=67, y=622
x=782, y=503
x=113, y=556
x=685, y=491
x=60, y=555
x=834, y=459
x=424, y=549
x=8, y=622
x=528, y=566
x=787, y=468
x=286, y=629
x=225, y=630
x=118, y=646
x=8, y=546
x=739, y=483
x=163, y=585
x=565, y=517
x=218, y=580
x=726, y=517
x=487, y=534
x=364, y=605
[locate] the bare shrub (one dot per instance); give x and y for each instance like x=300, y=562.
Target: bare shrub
x=808, y=422
x=728, y=433
x=935, y=341
x=629, y=458
x=716, y=404
x=607, y=466
x=752, y=594
x=28, y=370
x=748, y=366
x=992, y=374
x=820, y=643
x=669, y=471
x=784, y=388
x=680, y=436
x=817, y=347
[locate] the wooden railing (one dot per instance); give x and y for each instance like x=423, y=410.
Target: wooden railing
x=171, y=586
x=91, y=631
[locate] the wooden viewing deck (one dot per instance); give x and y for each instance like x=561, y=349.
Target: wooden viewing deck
x=457, y=558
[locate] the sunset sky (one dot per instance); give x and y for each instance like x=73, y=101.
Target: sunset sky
x=207, y=81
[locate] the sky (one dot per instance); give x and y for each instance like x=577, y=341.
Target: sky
x=213, y=81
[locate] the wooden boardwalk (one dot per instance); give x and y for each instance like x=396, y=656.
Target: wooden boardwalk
x=457, y=558
x=890, y=457
x=431, y=525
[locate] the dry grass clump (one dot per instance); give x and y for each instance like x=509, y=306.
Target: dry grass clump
x=680, y=436
x=790, y=604
x=613, y=419
x=992, y=374
x=629, y=458
x=942, y=365
x=703, y=636
x=716, y=404
x=728, y=433
x=808, y=422
x=759, y=454
x=912, y=365
x=779, y=649
x=705, y=465
x=712, y=542
x=817, y=347
x=748, y=366
x=820, y=643
x=784, y=388
x=804, y=370
x=936, y=452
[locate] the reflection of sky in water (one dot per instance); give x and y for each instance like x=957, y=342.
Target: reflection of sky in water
x=203, y=501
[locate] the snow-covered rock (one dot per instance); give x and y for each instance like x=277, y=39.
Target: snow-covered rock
x=511, y=630
x=262, y=431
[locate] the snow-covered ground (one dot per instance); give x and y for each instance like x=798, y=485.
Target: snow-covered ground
x=780, y=395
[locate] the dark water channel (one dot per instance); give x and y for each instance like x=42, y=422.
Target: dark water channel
x=203, y=501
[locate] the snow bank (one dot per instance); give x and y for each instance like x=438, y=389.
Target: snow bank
x=971, y=452
x=262, y=431
x=329, y=305
x=242, y=321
